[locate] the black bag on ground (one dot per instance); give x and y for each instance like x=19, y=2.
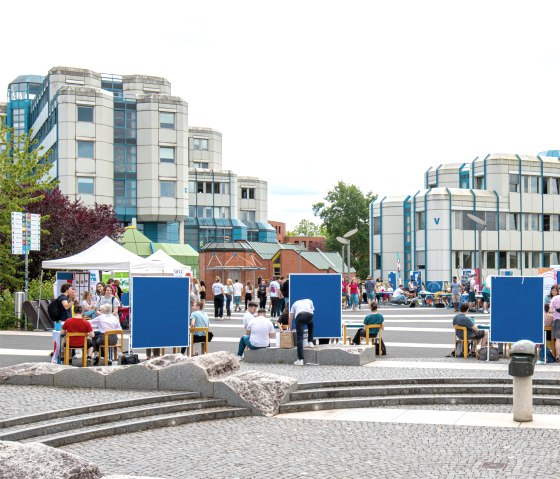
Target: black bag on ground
x=128, y=358
x=55, y=310
x=383, y=348
x=483, y=354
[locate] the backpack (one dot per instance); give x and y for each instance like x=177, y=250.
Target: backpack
x=483, y=354
x=56, y=310
x=549, y=356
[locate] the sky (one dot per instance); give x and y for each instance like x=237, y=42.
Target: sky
x=309, y=93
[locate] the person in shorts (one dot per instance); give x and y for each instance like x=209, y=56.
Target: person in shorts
x=455, y=293
x=472, y=331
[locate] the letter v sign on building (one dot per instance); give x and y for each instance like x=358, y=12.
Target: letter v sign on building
x=436, y=221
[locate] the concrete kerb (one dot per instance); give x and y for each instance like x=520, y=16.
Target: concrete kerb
x=185, y=377
x=79, y=378
x=136, y=376
x=324, y=355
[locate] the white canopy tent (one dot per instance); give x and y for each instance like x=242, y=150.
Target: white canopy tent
x=171, y=264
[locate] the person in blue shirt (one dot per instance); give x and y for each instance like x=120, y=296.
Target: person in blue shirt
x=456, y=293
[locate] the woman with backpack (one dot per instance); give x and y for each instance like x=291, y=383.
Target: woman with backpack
x=108, y=298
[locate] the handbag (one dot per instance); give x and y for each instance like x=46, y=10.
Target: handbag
x=129, y=358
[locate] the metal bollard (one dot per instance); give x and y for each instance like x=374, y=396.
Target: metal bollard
x=522, y=367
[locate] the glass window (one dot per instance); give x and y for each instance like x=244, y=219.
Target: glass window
x=479, y=182
x=166, y=119
x=125, y=192
x=167, y=154
x=248, y=193
x=458, y=216
x=491, y=221
x=377, y=261
x=546, y=260
x=200, y=144
x=513, y=259
x=514, y=183
x=491, y=260
x=555, y=223
x=503, y=221
x=535, y=223
x=457, y=256
x=192, y=186
x=534, y=181
x=200, y=211
x=420, y=220
x=208, y=212
x=200, y=187
x=85, y=149
x=420, y=259
x=527, y=260
x=167, y=189
x=217, y=188
x=85, y=185
x=467, y=260
x=554, y=186
x=546, y=185
x=536, y=257
x=201, y=164
x=526, y=225
x=546, y=222
x=377, y=225
x=85, y=113
x=192, y=211
x=247, y=215
x=514, y=222
x=503, y=260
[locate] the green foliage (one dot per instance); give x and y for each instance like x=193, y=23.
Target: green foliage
x=7, y=317
x=23, y=175
x=307, y=228
x=346, y=207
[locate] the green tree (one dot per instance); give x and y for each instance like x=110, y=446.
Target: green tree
x=24, y=172
x=307, y=228
x=344, y=208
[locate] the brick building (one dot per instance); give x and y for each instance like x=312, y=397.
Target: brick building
x=310, y=243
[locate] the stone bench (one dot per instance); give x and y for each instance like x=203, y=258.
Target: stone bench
x=323, y=355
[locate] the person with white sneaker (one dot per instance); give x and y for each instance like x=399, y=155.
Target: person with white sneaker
x=302, y=310
x=259, y=332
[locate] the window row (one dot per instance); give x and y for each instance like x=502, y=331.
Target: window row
x=248, y=193
x=200, y=144
x=125, y=118
x=216, y=212
x=210, y=187
x=506, y=259
x=534, y=184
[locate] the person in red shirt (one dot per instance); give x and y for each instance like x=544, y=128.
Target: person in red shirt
x=77, y=324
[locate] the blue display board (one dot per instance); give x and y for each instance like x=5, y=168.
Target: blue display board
x=160, y=312
x=517, y=309
x=326, y=293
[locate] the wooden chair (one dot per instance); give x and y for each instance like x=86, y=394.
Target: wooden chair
x=106, y=347
x=379, y=328
x=67, y=347
x=465, y=341
x=203, y=345
x=552, y=341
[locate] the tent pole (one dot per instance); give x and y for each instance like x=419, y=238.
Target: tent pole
x=39, y=300
x=131, y=308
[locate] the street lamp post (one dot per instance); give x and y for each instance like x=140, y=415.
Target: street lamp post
x=347, y=236
x=342, y=241
x=483, y=225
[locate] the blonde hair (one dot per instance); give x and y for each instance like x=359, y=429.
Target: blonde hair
x=229, y=281
x=85, y=294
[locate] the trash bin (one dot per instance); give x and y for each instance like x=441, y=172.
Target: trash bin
x=522, y=367
x=19, y=298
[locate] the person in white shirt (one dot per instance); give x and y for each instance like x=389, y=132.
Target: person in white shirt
x=218, y=291
x=237, y=292
x=274, y=288
x=259, y=332
x=100, y=324
x=398, y=295
x=249, y=315
x=302, y=310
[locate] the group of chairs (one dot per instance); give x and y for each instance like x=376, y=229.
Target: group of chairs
x=107, y=350
x=473, y=343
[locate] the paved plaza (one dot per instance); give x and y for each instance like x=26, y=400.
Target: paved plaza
x=415, y=441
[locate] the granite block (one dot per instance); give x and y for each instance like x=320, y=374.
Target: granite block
x=185, y=377
x=278, y=356
x=136, y=376
x=334, y=355
x=79, y=378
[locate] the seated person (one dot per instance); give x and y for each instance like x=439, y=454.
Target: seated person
x=284, y=319
x=77, y=324
x=399, y=295
x=88, y=304
x=199, y=319
x=250, y=313
x=472, y=331
x=373, y=318
x=104, y=322
x=259, y=331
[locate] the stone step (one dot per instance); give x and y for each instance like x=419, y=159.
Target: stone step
x=92, y=408
x=409, y=400
x=423, y=389
x=81, y=421
x=130, y=426
x=386, y=382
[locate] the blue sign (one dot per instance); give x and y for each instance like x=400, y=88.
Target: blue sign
x=393, y=279
x=326, y=293
x=160, y=312
x=517, y=309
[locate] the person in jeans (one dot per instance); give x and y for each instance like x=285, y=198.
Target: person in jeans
x=218, y=291
x=455, y=293
x=259, y=331
x=302, y=311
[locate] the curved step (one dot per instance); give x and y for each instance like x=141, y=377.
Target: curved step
x=92, y=408
x=126, y=427
x=80, y=421
x=409, y=400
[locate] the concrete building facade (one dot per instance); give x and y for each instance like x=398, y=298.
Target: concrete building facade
x=518, y=197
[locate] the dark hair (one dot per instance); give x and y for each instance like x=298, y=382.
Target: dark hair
x=546, y=308
x=261, y=311
x=464, y=307
x=454, y=278
x=373, y=307
x=202, y=283
x=78, y=309
x=253, y=304
x=65, y=287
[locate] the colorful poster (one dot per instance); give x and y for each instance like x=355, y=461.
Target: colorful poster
x=549, y=277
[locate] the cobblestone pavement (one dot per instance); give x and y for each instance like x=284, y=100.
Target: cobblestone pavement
x=263, y=447
x=24, y=400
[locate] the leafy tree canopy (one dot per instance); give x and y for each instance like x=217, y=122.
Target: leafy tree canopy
x=307, y=228
x=344, y=208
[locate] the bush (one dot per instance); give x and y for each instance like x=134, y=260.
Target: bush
x=7, y=316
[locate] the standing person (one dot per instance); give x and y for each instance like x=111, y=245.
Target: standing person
x=554, y=307
x=111, y=282
x=373, y=318
x=196, y=289
x=411, y=288
x=353, y=291
x=237, y=292
x=486, y=294
x=302, y=310
x=370, y=290
x=248, y=293
x=286, y=290
x=261, y=294
x=99, y=291
x=345, y=301
x=472, y=294
x=66, y=299
x=118, y=289
x=360, y=289
x=229, y=296
x=218, y=292
x=455, y=293
x=203, y=294
x=553, y=292
x=259, y=332
x=108, y=298
x=274, y=288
